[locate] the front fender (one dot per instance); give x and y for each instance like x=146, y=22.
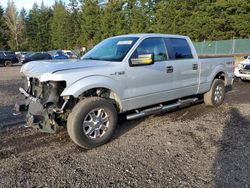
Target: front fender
x=87, y=83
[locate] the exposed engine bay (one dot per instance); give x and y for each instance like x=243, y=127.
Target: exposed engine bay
x=45, y=108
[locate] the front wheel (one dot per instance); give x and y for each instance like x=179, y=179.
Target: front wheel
x=215, y=96
x=92, y=122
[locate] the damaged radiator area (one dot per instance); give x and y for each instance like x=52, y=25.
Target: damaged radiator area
x=45, y=108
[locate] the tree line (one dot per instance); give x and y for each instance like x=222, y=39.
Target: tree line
x=84, y=23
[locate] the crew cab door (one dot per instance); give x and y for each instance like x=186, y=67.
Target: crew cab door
x=185, y=66
x=149, y=84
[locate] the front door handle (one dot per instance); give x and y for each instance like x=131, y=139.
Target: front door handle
x=195, y=66
x=170, y=69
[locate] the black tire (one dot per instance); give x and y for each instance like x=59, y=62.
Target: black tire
x=215, y=96
x=81, y=112
x=7, y=63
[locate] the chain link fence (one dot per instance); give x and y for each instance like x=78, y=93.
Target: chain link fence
x=234, y=46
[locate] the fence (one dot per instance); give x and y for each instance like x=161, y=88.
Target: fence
x=234, y=46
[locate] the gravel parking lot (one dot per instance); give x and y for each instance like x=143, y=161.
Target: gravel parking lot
x=193, y=147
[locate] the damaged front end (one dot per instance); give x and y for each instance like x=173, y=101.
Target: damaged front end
x=45, y=108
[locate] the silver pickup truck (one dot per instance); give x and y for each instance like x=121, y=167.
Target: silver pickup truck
x=139, y=74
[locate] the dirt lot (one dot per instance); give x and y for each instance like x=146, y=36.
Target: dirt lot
x=193, y=147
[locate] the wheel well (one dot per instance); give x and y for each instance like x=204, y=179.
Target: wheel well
x=221, y=75
x=104, y=93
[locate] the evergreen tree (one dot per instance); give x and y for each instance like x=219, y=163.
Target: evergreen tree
x=112, y=21
x=60, y=26
x=3, y=28
x=21, y=25
x=32, y=28
x=74, y=34
x=90, y=22
x=11, y=22
x=136, y=17
x=43, y=28
x=38, y=28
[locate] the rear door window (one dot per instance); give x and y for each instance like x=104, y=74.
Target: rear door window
x=178, y=48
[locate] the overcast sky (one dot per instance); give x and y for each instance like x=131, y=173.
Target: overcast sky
x=27, y=4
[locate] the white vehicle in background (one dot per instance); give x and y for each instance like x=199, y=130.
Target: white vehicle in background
x=243, y=70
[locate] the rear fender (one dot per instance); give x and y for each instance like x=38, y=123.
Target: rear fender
x=216, y=71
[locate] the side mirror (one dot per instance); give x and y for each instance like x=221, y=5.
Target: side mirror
x=144, y=59
x=245, y=57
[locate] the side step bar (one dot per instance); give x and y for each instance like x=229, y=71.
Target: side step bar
x=161, y=108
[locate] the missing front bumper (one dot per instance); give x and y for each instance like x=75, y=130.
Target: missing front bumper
x=38, y=116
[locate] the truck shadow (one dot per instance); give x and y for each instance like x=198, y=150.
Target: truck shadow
x=188, y=112
x=231, y=167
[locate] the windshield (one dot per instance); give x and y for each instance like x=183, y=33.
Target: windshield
x=112, y=49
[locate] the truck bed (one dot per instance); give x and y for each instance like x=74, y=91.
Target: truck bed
x=210, y=63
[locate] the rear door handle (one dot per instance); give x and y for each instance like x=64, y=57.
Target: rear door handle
x=195, y=66
x=170, y=69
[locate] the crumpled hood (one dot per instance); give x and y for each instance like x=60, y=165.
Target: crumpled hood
x=38, y=68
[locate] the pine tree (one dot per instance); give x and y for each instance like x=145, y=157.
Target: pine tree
x=112, y=20
x=136, y=17
x=38, y=28
x=11, y=22
x=3, y=28
x=90, y=22
x=74, y=26
x=60, y=26
x=32, y=28
x=21, y=25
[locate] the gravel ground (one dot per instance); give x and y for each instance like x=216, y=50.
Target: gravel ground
x=10, y=81
x=192, y=147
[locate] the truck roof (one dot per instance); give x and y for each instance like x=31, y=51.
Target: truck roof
x=143, y=35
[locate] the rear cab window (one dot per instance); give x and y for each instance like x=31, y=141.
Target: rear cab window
x=178, y=48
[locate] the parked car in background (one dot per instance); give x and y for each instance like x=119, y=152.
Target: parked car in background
x=8, y=58
x=36, y=56
x=70, y=54
x=21, y=55
x=242, y=72
x=58, y=54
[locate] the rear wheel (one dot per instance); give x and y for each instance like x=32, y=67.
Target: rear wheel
x=7, y=63
x=92, y=122
x=215, y=96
